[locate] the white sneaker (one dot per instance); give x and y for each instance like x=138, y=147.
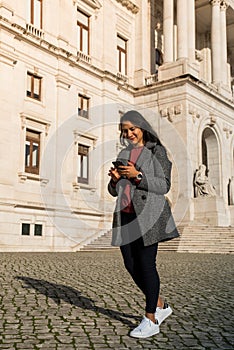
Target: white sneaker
x=146, y=329
x=162, y=313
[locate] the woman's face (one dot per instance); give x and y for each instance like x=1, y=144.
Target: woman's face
x=132, y=133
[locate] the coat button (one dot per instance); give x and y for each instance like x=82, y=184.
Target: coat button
x=143, y=196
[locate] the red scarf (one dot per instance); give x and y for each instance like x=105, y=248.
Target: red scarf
x=126, y=203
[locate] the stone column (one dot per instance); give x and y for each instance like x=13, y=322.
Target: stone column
x=168, y=11
x=191, y=29
x=223, y=34
x=215, y=41
x=182, y=31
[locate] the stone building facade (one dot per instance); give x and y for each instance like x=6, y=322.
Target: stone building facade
x=69, y=69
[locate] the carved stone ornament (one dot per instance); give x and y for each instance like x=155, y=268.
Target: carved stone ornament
x=129, y=5
x=194, y=113
x=223, y=6
x=213, y=120
x=171, y=112
x=228, y=130
x=95, y=4
x=215, y=2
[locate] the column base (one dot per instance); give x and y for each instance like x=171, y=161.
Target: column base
x=231, y=209
x=211, y=211
x=139, y=77
x=178, y=68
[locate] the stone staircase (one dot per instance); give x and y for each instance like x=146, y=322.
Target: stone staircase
x=193, y=239
x=103, y=242
x=207, y=239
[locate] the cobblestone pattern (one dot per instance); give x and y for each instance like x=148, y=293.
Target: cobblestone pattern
x=86, y=300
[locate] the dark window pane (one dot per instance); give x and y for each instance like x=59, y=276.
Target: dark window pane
x=33, y=86
x=25, y=229
x=83, y=163
x=37, y=230
x=32, y=151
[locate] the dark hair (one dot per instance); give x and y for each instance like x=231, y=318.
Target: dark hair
x=138, y=120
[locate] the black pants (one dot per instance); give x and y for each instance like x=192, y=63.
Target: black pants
x=140, y=262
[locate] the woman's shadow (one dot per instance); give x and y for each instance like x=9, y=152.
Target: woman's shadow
x=59, y=292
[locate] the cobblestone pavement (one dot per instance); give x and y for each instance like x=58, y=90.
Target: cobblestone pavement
x=86, y=300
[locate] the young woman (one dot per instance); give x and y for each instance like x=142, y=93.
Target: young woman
x=139, y=179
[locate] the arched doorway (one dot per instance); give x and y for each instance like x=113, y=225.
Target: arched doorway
x=210, y=157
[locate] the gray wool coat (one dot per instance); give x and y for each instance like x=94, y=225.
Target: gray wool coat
x=154, y=219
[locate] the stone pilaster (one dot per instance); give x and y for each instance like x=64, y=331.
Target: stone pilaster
x=168, y=22
x=191, y=29
x=182, y=32
x=216, y=41
x=223, y=34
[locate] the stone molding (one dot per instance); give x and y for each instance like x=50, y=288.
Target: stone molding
x=213, y=120
x=95, y=4
x=63, y=81
x=172, y=112
x=129, y=5
x=227, y=129
x=194, y=112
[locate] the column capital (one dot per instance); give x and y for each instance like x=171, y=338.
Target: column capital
x=215, y=2
x=223, y=6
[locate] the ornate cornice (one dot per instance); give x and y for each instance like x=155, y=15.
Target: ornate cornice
x=95, y=4
x=129, y=5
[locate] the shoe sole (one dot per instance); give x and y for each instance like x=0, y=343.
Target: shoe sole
x=169, y=312
x=144, y=336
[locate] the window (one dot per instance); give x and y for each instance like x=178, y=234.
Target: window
x=35, y=13
x=33, y=86
x=83, y=163
x=83, y=106
x=82, y=32
x=32, y=152
x=37, y=230
x=122, y=55
x=25, y=229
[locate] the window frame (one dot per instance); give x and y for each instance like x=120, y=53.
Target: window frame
x=81, y=111
x=83, y=27
x=32, y=19
x=30, y=168
x=124, y=51
x=31, y=93
x=81, y=178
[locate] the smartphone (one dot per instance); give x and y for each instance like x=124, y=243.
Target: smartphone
x=118, y=163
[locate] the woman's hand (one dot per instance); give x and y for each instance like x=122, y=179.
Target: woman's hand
x=128, y=171
x=114, y=174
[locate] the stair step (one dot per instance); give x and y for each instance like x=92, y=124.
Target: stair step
x=203, y=239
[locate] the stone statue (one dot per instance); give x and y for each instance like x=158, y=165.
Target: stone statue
x=203, y=188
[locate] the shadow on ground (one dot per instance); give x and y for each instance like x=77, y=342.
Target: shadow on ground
x=59, y=292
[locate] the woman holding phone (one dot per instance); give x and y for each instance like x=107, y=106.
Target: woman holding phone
x=140, y=178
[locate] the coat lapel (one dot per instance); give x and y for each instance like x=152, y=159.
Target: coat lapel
x=144, y=159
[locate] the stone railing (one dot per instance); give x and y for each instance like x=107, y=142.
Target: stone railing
x=30, y=29
x=122, y=77
x=81, y=56
x=151, y=79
